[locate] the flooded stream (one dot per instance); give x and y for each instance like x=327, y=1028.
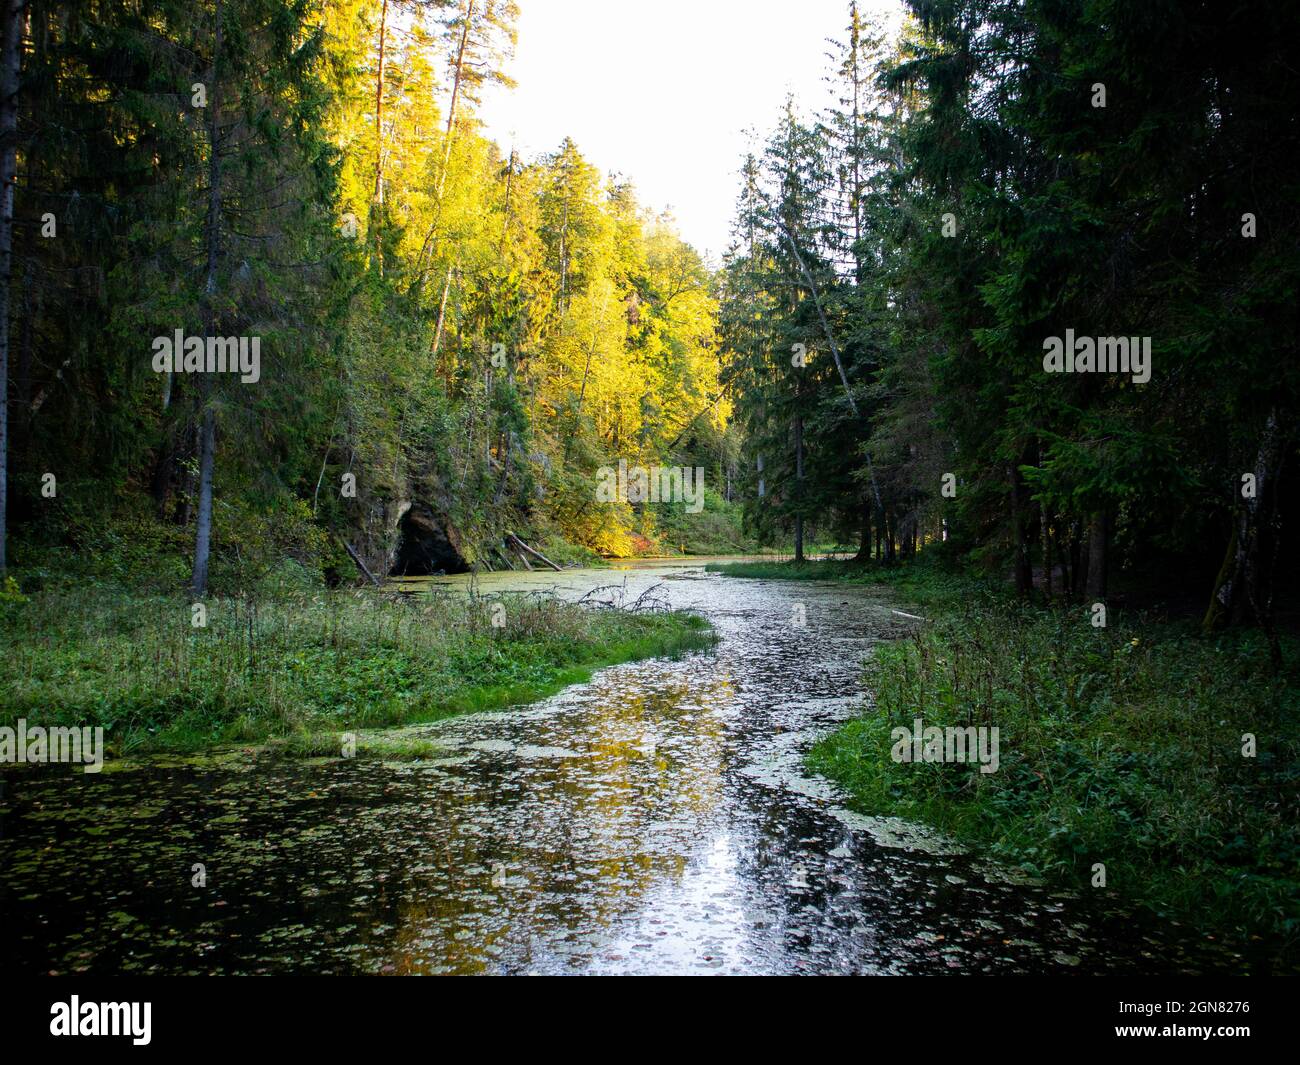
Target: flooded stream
x=655, y=820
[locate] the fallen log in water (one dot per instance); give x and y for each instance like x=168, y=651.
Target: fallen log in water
x=360, y=565
x=522, y=547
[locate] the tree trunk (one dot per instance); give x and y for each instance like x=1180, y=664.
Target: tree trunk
x=458, y=70
x=1023, y=574
x=377, y=200
x=442, y=320
x=1046, y=529
x=1098, y=554
x=1243, y=586
x=582, y=395
x=208, y=430
x=24, y=375
x=506, y=460
x=1061, y=551
x=203, y=525
x=1078, y=560
x=1220, y=597
x=835, y=350
x=361, y=565
x=798, y=488
x=161, y=482
x=11, y=32
x=523, y=547
x=864, y=539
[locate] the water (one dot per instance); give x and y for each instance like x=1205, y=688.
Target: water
x=654, y=820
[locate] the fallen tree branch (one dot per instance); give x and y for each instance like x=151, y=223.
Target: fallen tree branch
x=361, y=565
x=519, y=544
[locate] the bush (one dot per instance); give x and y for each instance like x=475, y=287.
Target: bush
x=1120, y=745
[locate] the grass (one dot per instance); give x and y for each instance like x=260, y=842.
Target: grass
x=303, y=665
x=774, y=570
x=390, y=745
x=1119, y=745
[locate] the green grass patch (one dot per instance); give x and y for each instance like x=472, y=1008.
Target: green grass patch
x=919, y=582
x=311, y=664
x=392, y=745
x=822, y=570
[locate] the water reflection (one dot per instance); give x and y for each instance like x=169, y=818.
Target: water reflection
x=654, y=820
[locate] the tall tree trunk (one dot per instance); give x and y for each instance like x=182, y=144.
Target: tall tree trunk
x=29, y=312
x=457, y=73
x=1098, y=554
x=507, y=457
x=1046, y=530
x=582, y=395
x=203, y=525
x=1243, y=587
x=208, y=426
x=377, y=200
x=1220, y=595
x=11, y=57
x=161, y=481
x=458, y=70
x=1023, y=574
x=864, y=538
x=1078, y=560
x=855, y=195
x=798, y=487
x=1065, y=552
x=442, y=320
x=835, y=349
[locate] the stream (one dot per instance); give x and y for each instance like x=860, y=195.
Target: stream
x=654, y=820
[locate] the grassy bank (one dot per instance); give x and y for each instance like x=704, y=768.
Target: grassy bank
x=1119, y=745
x=302, y=665
x=777, y=570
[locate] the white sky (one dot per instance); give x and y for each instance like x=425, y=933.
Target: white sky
x=664, y=92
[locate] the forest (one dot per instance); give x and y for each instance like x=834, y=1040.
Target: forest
x=459, y=337
x=1004, y=177
x=449, y=334
x=462, y=337
x=326, y=419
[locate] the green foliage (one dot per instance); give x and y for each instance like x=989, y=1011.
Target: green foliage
x=715, y=530
x=136, y=665
x=443, y=325
x=1120, y=745
x=963, y=202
